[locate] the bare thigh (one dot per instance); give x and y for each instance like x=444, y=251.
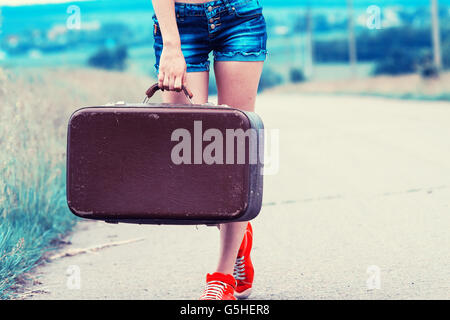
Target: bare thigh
x=237, y=83
x=197, y=82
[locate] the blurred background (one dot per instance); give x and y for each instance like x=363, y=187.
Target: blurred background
x=57, y=55
x=326, y=41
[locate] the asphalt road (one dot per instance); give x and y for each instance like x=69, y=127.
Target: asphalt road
x=358, y=210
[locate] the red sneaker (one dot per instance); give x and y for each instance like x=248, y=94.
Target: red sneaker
x=219, y=286
x=243, y=268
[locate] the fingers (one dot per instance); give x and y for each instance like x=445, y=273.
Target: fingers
x=172, y=77
x=178, y=83
x=161, y=80
x=172, y=69
x=171, y=83
x=166, y=81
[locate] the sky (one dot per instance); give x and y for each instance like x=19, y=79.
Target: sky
x=25, y=2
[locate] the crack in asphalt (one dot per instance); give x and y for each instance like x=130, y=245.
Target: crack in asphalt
x=428, y=190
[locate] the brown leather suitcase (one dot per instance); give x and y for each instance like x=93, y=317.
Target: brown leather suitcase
x=164, y=164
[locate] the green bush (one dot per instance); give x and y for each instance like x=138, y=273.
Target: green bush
x=426, y=66
x=396, y=61
x=296, y=75
x=111, y=59
x=373, y=45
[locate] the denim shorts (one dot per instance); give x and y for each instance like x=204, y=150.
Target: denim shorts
x=235, y=30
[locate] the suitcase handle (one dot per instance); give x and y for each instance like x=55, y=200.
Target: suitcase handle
x=152, y=90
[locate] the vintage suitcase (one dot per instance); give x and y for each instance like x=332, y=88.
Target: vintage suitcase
x=165, y=164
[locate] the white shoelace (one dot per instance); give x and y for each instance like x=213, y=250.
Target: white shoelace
x=214, y=290
x=239, y=269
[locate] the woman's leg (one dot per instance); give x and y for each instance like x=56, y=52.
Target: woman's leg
x=237, y=86
x=197, y=82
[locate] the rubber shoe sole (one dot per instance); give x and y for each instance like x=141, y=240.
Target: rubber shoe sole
x=244, y=294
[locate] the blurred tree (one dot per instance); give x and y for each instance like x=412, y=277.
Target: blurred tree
x=112, y=59
x=296, y=75
x=121, y=55
x=373, y=46
x=398, y=60
x=426, y=66
x=446, y=55
x=269, y=78
x=321, y=23
x=331, y=50
x=299, y=24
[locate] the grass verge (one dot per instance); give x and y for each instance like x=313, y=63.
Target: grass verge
x=35, y=106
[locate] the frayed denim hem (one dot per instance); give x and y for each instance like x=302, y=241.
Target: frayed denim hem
x=241, y=56
x=198, y=67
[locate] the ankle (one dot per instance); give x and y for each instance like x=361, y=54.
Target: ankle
x=226, y=270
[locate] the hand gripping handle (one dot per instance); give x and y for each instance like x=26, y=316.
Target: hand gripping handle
x=152, y=90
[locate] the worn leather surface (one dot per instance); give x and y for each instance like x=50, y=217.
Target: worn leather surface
x=120, y=167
